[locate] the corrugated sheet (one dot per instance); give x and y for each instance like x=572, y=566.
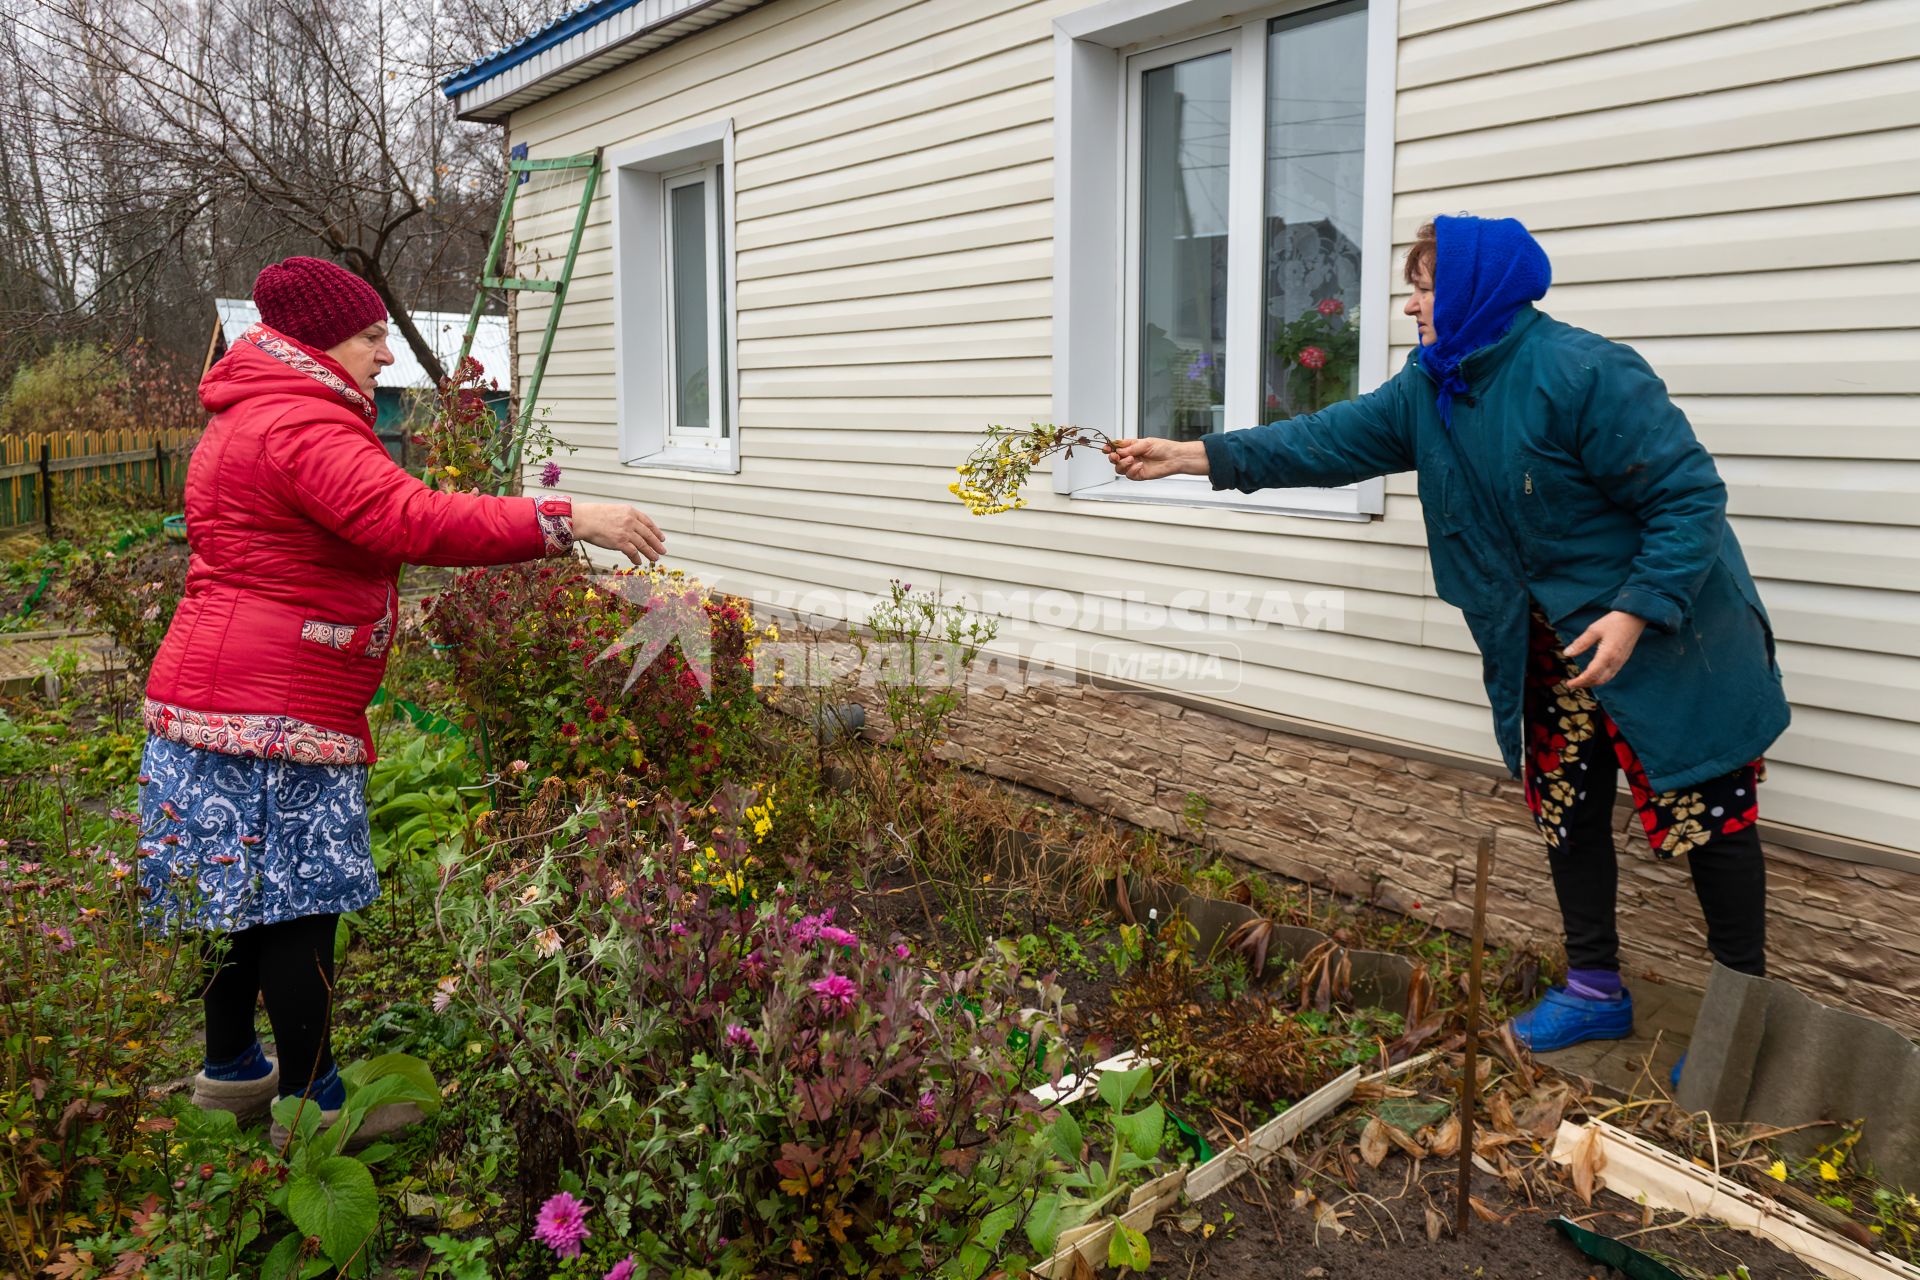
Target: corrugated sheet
x=1730, y=185
x=443, y=331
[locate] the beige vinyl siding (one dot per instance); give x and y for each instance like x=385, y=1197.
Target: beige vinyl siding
x=1730, y=186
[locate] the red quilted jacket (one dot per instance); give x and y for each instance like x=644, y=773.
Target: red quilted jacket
x=298, y=522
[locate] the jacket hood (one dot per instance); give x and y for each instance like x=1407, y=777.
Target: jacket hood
x=267, y=362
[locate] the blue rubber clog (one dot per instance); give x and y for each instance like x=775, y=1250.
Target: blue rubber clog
x=1563, y=1019
x=1673, y=1077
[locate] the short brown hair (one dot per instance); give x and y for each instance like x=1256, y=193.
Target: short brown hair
x=1424, y=253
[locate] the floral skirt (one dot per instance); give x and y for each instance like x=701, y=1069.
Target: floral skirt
x=228, y=842
x=1566, y=732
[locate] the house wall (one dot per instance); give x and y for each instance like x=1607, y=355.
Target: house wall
x=1402, y=833
x=1731, y=186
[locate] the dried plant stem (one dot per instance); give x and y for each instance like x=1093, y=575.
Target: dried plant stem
x=1470, y=1066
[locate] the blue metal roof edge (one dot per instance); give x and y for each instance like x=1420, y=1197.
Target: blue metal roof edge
x=478, y=73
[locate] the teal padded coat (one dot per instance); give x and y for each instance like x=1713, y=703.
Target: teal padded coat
x=1571, y=479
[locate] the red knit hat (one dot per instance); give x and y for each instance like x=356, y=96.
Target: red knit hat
x=316, y=302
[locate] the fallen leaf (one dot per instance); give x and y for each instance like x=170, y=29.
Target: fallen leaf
x=1325, y=1216
x=1403, y=1140
x=1540, y=1111
x=1374, y=1143
x=1445, y=1139
x=1482, y=1212
x=1436, y=1223
x=1501, y=1113
x=1589, y=1158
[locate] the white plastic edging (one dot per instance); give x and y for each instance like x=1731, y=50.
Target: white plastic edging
x=1271, y=1136
x=1144, y=1207
x=1635, y=1168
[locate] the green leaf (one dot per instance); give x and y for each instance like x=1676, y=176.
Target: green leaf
x=1118, y=1087
x=283, y=1260
x=335, y=1200
x=1043, y=1229
x=995, y=1224
x=1143, y=1130
x=425, y=1089
x=299, y=1115
x=1065, y=1138
x=1128, y=1248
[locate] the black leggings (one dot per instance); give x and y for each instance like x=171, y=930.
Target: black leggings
x=291, y=964
x=1729, y=878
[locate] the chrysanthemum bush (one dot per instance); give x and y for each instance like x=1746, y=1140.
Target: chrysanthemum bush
x=743, y=1087
x=544, y=654
x=468, y=447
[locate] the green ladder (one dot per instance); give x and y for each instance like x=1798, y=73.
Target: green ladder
x=520, y=168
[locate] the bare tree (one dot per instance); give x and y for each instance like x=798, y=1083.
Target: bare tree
x=174, y=146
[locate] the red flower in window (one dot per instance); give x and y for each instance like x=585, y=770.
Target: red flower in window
x=1312, y=358
x=1331, y=307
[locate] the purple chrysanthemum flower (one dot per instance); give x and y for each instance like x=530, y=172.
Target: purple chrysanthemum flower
x=927, y=1109
x=550, y=474
x=739, y=1037
x=837, y=989
x=562, y=1225
x=838, y=937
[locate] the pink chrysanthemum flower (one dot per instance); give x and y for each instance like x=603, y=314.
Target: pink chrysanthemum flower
x=562, y=1225
x=739, y=1037
x=838, y=937
x=838, y=989
x=927, y=1109
x=625, y=1269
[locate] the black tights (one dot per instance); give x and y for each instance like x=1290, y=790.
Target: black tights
x=1729, y=878
x=291, y=964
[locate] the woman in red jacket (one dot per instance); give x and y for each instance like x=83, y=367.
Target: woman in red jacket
x=253, y=785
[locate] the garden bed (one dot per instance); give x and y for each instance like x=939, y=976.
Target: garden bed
x=753, y=1001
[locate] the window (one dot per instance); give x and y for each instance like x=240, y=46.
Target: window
x=673, y=286
x=695, y=303
x=1238, y=181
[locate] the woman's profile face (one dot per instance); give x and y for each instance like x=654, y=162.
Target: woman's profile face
x=364, y=355
x=1420, y=305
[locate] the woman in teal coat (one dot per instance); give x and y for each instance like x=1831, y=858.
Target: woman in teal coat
x=1581, y=528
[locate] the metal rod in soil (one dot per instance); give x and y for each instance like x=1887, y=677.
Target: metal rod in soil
x=1470, y=1062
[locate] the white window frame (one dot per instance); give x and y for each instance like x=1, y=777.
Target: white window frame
x=1099, y=54
x=647, y=435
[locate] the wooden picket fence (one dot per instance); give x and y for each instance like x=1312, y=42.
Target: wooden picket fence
x=38, y=469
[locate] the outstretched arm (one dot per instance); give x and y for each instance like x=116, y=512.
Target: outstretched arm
x=344, y=480
x=1344, y=442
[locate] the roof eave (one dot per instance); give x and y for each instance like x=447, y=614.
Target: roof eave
x=588, y=43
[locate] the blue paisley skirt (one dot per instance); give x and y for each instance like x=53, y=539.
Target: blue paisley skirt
x=228, y=842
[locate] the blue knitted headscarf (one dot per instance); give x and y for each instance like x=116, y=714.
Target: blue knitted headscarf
x=1484, y=271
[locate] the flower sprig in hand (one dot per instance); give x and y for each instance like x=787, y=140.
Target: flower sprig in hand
x=991, y=477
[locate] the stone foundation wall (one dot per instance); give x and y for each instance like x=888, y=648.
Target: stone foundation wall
x=1403, y=833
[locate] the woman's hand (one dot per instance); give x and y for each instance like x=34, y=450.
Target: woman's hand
x=1616, y=633
x=1149, y=458
x=619, y=527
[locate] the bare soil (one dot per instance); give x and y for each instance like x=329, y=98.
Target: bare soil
x=1382, y=1219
